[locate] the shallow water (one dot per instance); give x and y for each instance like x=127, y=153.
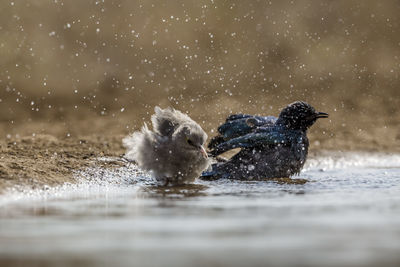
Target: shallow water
x=348, y=213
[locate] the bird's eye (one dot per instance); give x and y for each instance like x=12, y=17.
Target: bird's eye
x=190, y=142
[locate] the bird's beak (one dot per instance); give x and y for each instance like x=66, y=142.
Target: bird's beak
x=203, y=152
x=321, y=115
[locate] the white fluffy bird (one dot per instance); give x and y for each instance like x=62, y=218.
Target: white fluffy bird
x=173, y=151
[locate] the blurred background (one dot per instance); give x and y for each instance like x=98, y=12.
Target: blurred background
x=81, y=68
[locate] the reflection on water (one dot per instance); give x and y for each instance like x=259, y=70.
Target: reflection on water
x=182, y=191
x=342, y=210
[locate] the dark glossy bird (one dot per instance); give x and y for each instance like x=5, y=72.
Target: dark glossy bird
x=270, y=147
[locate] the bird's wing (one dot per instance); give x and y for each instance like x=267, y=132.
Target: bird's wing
x=240, y=124
x=237, y=125
x=166, y=121
x=261, y=137
x=237, y=116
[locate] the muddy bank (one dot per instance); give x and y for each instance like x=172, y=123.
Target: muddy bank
x=44, y=160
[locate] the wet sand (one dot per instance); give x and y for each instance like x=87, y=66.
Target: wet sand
x=44, y=160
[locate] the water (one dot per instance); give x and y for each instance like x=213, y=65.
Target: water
x=348, y=213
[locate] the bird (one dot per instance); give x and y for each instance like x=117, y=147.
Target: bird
x=173, y=151
x=270, y=147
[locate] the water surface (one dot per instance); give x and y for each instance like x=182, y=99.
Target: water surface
x=347, y=213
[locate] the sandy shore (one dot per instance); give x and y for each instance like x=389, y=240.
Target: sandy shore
x=44, y=160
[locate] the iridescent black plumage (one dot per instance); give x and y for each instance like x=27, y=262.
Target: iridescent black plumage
x=270, y=147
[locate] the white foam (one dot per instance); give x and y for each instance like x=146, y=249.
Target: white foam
x=347, y=160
